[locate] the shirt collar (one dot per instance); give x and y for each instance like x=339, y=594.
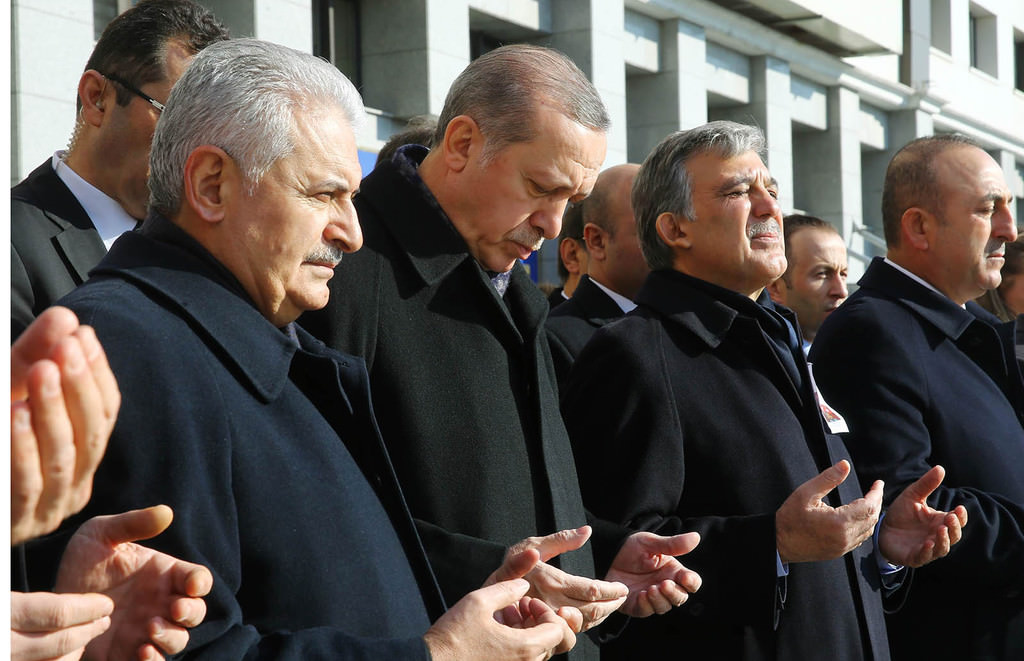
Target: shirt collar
x=624, y=303
x=916, y=278
x=107, y=216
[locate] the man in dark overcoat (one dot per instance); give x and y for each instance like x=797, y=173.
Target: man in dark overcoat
x=452, y=330
x=924, y=375
x=615, y=268
x=703, y=396
x=261, y=439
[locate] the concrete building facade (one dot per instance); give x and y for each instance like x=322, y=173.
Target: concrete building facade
x=836, y=87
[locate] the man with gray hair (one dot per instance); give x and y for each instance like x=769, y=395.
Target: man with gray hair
x=720, y=431
x=452, y=330
x=261, y=439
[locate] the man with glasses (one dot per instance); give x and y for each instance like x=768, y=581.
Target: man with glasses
x=69, y=210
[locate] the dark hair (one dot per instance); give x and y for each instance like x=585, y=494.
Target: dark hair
x=572, y=228
x=910, y=180
x=418, y=131
x=792, y=224
x=501, y=90
x=133, y=46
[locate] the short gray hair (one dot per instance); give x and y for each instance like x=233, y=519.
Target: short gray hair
x=663, y=183
x=500, y=90
x=242, y=96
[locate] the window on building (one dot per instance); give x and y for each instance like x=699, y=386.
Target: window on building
x=940, y=37
x=104, y=11
x=983, y=40
x=336, y=35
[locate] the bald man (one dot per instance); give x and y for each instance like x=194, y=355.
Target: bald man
x=615, y=269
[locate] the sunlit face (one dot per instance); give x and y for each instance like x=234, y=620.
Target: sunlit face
x=975, y=222
x=816, y=283
x=736, y=234
x=291, y=233
x=514, y=200
x=126, y=135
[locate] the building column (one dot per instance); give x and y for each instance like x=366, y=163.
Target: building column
x=916, y=57
x=590, y=33
x=674, y=98
x=404, y=71
x=44, y=89
x=827, y=168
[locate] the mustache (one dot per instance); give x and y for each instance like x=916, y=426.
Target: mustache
x=995, y=248
x=325, y=253
x=768, y=226
x=527, y=236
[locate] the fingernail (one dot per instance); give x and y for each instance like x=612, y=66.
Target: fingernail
x=51, y=383
x=22, y=419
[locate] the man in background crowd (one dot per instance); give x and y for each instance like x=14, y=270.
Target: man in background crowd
x=814, y=283
x=69, y=210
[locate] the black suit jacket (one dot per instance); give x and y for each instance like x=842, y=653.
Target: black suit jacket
x=922, y=381
x=688, y=398
x=53, y=245
x=462, y=383
x=269, y=454
x=571, y=325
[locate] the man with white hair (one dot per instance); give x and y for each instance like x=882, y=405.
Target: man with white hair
x=263, y=440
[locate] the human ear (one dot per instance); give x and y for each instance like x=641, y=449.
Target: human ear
x=96, y=96
x=672, y=230
x=916, y=225
x=462, y=137
x=211, y=180
x=596, y=240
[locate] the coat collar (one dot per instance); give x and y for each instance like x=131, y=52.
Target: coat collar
x=170, y=265
x=42, y=188
x=413, y=216
x=942, y=313
x=597, y=307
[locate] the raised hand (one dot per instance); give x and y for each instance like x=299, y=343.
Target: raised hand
x=64, y=402
x=806, y=529
x=914, y=534
x=156, y=596
x=656, y=580
x=594, y=599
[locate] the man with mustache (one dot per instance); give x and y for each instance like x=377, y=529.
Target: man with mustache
x=261, y=439
x=814, y=283
x=922, y=375
x=452, y=330
x=702, y=396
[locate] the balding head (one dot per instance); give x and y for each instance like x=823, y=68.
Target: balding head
x=616, y=260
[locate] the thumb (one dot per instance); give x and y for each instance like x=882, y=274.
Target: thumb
x=674, y=545
x=134, y=525
x=828, y=479
x=562, y=541
x=516, y=565
x=501, y=594
x=925, y=485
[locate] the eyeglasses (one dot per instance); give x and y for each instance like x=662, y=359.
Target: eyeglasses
x=136, y=91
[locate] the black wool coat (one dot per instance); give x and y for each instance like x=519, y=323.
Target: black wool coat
x=687, y=397
x=53, y=245
x=922, y=381
x=268, y=453
x=571, y=325
x=462, y=382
